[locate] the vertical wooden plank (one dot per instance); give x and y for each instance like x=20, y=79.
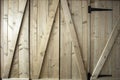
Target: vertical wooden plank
x=75, y=73
x=115, y=50
x=42, y=22
x=107, y=66
x=92, y=37
x=23, y=47
x=33, y=37
x=4, y=32
x=10, y=32
x=46, y=5
x=116, y=13
x=89, y=40
x=85, y=32
x=66, y=50
x=1, y=24
x=14, y=67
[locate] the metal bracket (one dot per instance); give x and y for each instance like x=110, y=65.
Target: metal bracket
x=104, y=76
x=88, y=76
x=90, y=9
x=99, y=76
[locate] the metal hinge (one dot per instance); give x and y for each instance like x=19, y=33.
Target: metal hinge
x=99, y=76
x=104, y=76
x=88, y=76
x=90, y=9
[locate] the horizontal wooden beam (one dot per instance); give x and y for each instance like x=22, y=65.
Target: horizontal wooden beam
x=106, y=50
x=34, y=79
x=16, y=79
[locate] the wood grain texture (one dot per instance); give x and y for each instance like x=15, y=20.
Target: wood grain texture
x=63, y=43
x=24, y=47
x=14, y=71
x=44, y=31
x=65, y=49
x=1, y=39
x=3, y=31
x=101, y=26
x=45, y=39
x=106, y=50
x=75, y=7
x=74, y=37
x=100, y=35
x=116, y=47
x=50, y=67
x=16, y=23
x=33, y=37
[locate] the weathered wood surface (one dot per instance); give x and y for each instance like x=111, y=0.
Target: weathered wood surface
x=102, y=24
x=74, y=37
x=14, y=17
x=44, y=29
x=105, y=53
x=55, y=39
x=24, y=47
x=13, y=26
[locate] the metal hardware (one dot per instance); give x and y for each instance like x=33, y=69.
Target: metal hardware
x=104, y=76
x=99, y=76
x=88, y=76
x=90, y=9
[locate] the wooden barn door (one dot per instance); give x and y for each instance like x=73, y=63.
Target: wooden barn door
x=44, y=39
x=30, y=39
x=14, y=38
x=57, y=40
x=105, y=39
